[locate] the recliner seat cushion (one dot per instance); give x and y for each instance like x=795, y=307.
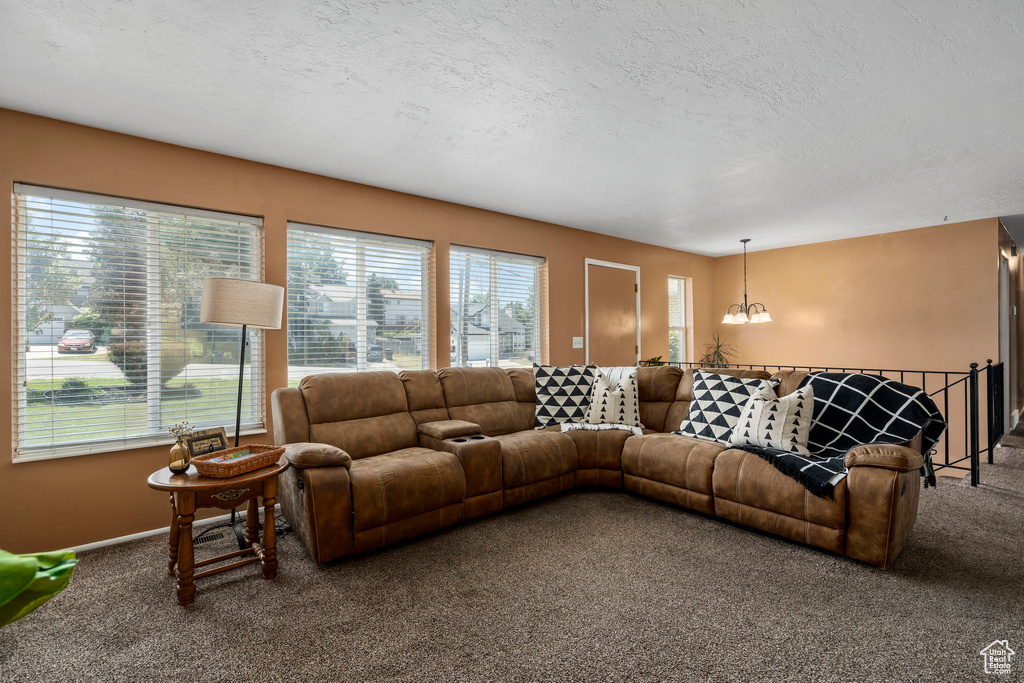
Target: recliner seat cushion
x=394, y=486
x=752, y=481
x=599, y=449
x=532, y=456
x=679, y=461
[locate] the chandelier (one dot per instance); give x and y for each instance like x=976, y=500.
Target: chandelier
x=740, y=314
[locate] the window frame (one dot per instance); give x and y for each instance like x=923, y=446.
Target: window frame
x=683, y=328
x=361, y=305
x=493, y=256
x=21, y=451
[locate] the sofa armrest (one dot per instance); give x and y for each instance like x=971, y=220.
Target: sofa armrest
x=303, y=455
x=896, y=458
x=448, y=429
x=317, y=502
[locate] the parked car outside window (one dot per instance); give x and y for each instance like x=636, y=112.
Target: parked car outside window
x=73, y=341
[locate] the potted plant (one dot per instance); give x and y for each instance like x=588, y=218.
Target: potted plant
x=717, y=354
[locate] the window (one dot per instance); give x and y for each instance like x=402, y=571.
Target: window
x=110, y=351
x=676, y=320
x=495, y=308
x=356, y=302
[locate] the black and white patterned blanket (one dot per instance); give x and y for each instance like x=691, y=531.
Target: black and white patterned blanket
x=851, y=410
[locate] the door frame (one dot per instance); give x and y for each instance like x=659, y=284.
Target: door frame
x=1007, y=318
x=586, y=301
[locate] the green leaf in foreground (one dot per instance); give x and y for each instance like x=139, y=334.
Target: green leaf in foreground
x=27, y=581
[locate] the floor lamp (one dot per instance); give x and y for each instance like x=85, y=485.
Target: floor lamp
x=245, y=304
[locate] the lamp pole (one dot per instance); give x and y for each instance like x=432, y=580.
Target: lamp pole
x=241, y=377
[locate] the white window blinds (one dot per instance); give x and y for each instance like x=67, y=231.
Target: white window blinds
x=495, y=302
x=109, y=349
x=356, y=301
x=676, y=320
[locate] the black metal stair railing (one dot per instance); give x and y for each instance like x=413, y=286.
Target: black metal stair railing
x=958, y=395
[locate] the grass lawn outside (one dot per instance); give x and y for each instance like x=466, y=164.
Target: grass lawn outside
x=52, y=421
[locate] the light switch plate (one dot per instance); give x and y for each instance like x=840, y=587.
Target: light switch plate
x=577, y=342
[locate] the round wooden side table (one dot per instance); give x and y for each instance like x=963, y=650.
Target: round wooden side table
x=191, y=490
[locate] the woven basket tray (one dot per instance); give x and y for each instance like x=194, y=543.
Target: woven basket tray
x=261, y=456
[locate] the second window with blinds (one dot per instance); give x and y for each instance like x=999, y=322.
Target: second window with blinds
x=356, y=302
x=495, y=308
x=677, y=320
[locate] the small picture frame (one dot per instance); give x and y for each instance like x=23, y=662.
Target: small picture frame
x=206, y=441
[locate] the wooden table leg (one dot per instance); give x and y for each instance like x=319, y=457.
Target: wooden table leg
x=173, y=541
x=252, y=522
x=186, y=560
x=269, y=556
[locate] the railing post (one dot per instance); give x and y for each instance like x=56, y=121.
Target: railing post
x=974, y=424
x=996, y=418
x=989, y=407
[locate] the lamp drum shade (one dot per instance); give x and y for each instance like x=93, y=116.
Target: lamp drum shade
x=241, y=302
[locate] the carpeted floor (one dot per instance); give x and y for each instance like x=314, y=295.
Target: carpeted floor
x=587, y=586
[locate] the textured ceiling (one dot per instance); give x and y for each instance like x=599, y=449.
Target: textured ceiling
x=685, y=124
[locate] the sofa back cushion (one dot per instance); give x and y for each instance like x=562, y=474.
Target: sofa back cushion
x=656, y=387
x=679, y=409
x=525, y=386
x=362, y=413
x=484, y=396
x=789, y=381
x=425, y=396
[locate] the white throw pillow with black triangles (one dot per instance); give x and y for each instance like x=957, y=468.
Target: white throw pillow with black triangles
x=717, y=404
x=615, y=404
x=781, y=423
x=563, y=394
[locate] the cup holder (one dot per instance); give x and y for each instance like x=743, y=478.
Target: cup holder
x=460, y=440
x=478, y=437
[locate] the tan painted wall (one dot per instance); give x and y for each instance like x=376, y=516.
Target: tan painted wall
x=923, y=299
x=46, y=505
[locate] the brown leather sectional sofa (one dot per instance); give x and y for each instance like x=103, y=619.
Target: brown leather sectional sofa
x=379, y=457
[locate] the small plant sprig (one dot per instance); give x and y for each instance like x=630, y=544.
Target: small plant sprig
x=182, y=431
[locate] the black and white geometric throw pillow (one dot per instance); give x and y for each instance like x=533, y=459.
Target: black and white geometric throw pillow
x=780, y=423
x=718, y=402
x=615, y=404
x=563, y=394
